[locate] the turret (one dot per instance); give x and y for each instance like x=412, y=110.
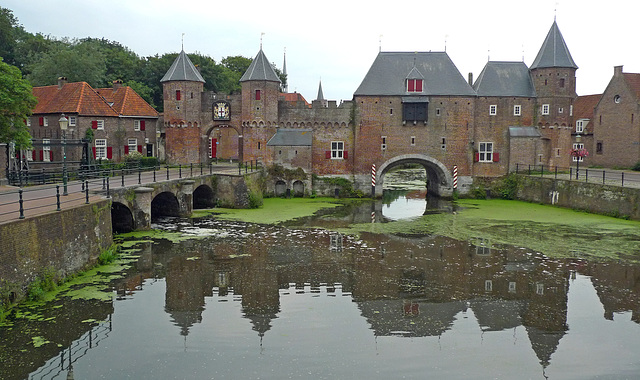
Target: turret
x=260, y=92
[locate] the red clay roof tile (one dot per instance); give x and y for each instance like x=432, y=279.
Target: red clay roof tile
x=584, y=105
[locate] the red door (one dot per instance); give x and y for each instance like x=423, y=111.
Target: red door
x=214, y=148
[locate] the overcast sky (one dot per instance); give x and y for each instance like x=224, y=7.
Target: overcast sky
x=337, y=41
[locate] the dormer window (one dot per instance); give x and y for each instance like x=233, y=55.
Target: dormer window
x=414, y=85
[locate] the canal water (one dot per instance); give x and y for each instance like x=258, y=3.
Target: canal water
x=231, y=300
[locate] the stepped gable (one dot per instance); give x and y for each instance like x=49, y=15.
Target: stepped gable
x=554, y=51
x=182, y=69
x=127, y=102
x=71, y=98
x=505, y=79
x=260, y=70
x=389, y=71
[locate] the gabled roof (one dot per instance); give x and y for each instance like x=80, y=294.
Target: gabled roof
x=554, y=51
x=260, y=69
x=505, y=79
x=127, y=102
x=291, y=137
x=524, y=132
x=584, y=105
x=72, y=98
x=294, y=97
x=633, y=81
x=389, y=70
x=182, y=69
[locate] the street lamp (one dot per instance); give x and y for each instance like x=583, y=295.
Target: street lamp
x=64, y=124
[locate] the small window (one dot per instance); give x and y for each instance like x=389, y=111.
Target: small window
x=539, y=289
x=100, y=124
x=383, y=146
x=178, y=95
x=136, y=125
x=493, y=109
x=132, y=145
x=488, y=285
x=46, y=150
x=512, y=286
x=437, y=111
x=337, y=150
x=101, y=148
x=259, y=145
x=28, y=120
x=561, y=82
x=486, y=152
x=599, y=147
x=72, y=121
x=517, y=110
x=258, y=95
x=414, y=85
x=571, y=110
x=545, y=109
x=384, y=139
x=578, y=146
x=616, y=99
x=560, y=110
x=413, y=140
x=391, y=111
x=45, y=121
x=579, y=126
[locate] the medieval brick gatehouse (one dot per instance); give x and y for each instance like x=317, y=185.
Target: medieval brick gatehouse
x=409, y=108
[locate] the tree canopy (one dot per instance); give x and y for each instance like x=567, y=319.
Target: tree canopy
x=16, y=104
x=42, y=59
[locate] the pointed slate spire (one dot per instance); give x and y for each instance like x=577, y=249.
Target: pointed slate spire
x=284, y=70
x=260, y=69
x=320, y=94
x=182, y=69
x=554, y=51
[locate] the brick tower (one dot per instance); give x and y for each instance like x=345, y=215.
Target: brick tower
x=182, y=87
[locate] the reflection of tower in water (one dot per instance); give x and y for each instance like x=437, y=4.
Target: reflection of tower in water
x=186, y=289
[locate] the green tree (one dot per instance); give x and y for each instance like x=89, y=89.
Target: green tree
x=16, y=104
x=143, y=90
x=7, y=36
x=76, y=61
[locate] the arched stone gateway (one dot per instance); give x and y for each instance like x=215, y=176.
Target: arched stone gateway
x=439, y=178
x=298, y=188
x=121, y=218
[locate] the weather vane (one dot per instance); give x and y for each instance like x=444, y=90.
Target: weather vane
x=182, y=41
x=261, y=34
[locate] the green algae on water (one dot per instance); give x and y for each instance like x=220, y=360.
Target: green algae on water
x=278, y=210
x=39, y=341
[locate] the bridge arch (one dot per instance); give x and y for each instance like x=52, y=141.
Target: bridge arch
x=164, y=204
x=121, y=218
x=203, y=197
x=439, y=179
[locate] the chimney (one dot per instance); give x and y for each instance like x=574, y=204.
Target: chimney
x=61, y=82
x=470, y=79
x=617, y=70
x=117, y=84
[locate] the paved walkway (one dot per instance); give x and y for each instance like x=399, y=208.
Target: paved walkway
x=43, y=199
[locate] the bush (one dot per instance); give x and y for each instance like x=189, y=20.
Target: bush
x=148, y=162
x=636, y=167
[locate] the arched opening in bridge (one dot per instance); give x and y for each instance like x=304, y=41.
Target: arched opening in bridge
x=437, y=178
x=203, y=197
x=164, y=204
x=298, y=189
x=121, y=218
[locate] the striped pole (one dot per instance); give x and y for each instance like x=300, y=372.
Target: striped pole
x=373, y=180
x=455, y=177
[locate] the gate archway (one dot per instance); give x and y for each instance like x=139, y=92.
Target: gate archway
x=439, y=179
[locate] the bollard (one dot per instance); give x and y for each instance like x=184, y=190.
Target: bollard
x=58, y=197
x=201, y=168
x=622, y=180
x=139, y=176
x=108, y=194
x=180, y=171
x=154, y=173
x=122, y=176
x=86, y=191
x=210, y=168
x=21, y=202
x=603, y=176
x=167, y=172
x=191, y=169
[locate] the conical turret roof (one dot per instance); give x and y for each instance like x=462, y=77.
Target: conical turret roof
x=260, y=69
x=554, y=51
x=182, y=69
x=320, y=93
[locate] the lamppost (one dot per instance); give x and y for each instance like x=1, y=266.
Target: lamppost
x=64, y=124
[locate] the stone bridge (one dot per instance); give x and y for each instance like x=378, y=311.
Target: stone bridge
x=134, y=207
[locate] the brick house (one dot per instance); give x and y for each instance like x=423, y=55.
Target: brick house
x=121, y=121
x=583, y=127
x=411, y=107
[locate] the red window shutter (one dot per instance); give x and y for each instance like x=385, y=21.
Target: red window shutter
x=94, y=152
x=418, y=85
x=345, y=154
x=94, y=124
x=477, y=157
x=126, y=149
x=327, y=154
x=142, y=125
x=258, y=95
x=41, y=121
x=496, y=157
x=140, y=148
x=41, y=156
x=109, y=152
x=50, y=156
x=33, y=155
x=411, y=85
x=178, y=97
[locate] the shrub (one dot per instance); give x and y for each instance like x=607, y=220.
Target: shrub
x=636, y=167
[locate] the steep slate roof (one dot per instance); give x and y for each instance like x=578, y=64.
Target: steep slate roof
x=73, y=98
x=554, y=51
x=320, y=94
x=524, y=132
x=127, y=102
x=390, y=69
x=291, y=137
x=505, y=79
x=182, y=69
x=584, y=105
x=260, y=69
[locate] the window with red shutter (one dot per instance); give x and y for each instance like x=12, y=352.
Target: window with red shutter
x=109, y=152
x=411, y=85
x=94, y=152
x=126, y=149
x=41, y=155
x=94, y=124
x=346, y=154
x=178, y=97
x=477, y=157
x=41, y=121
x=258, y=94
x=142, y=125
x=327, y=154
x=496, y=157
x=140, y=148
x=418, y=85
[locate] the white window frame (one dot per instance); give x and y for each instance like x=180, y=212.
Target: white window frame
x=100, y=124
x=580, y=126
x=28, y=122
x=415, y=83
x=211, y=146
x=46, y=150
x=136, y=125
x=45, y=121
x=539, y=288
x=101, y=148
x=337, y=150
x=413, y=140
x=72, y=121
x=493, y=109
x=577, y=146
x=545, y=109
x=29, y=153
x=134, y=145
x=485, y=150
x=517, y=110
x=560, y=110
x=488, y=285
x=512, y=286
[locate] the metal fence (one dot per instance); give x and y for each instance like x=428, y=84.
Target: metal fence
x=591, y=175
